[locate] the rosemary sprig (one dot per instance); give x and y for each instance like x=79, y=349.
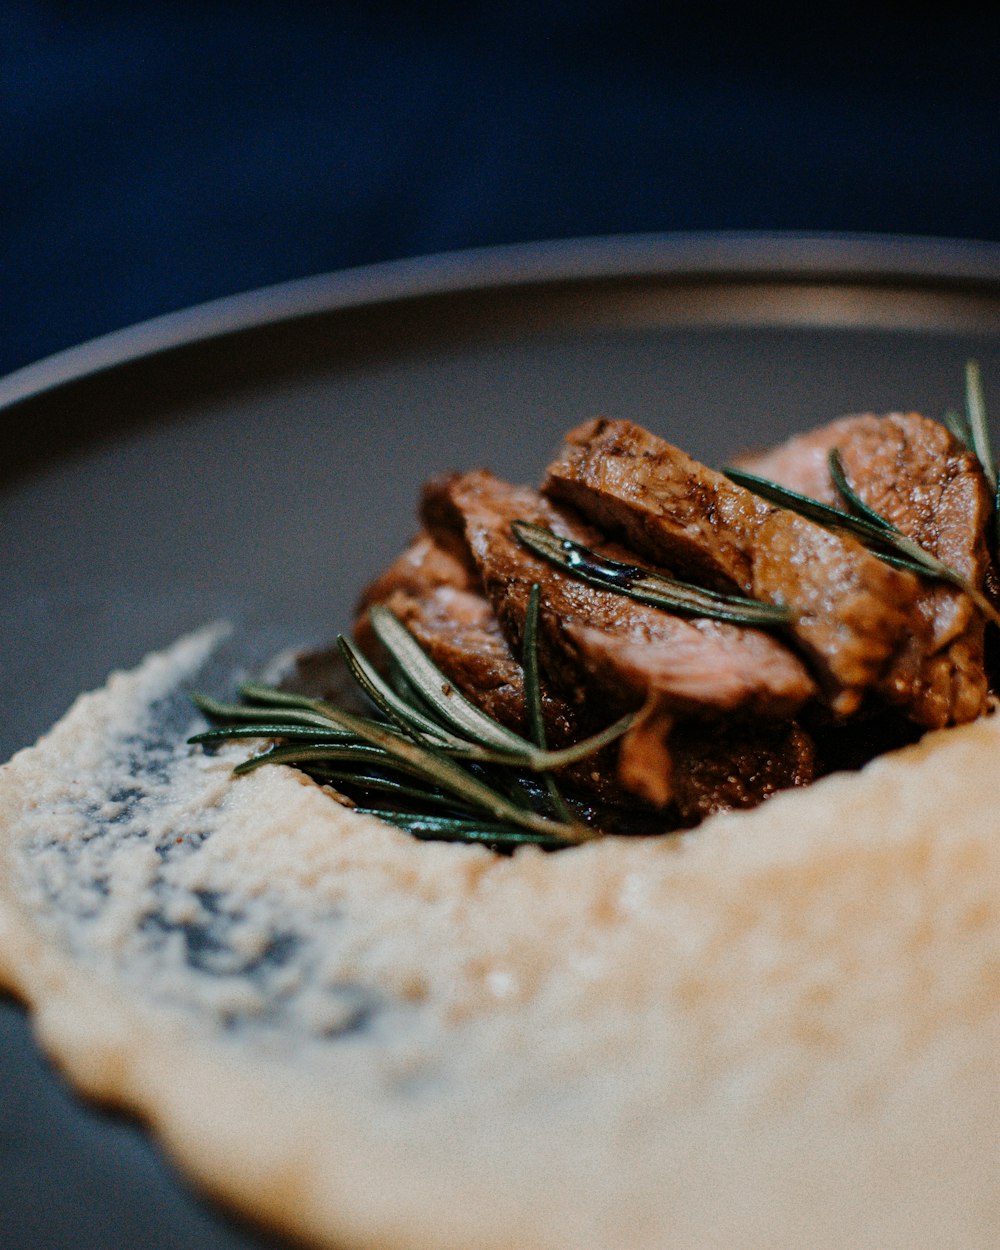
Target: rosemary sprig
x=326, y=755
x=433, y=749
x=909, y=553
x=443, y=698
x=959, y=427
x=533, y=698
x=980, y=442
x=451, y=829
x=522, y=752
x=273, y=728
x=299, y=712
x=644, y=585
x=428, y=761
x=977, y=423
x=972, y=429
x=880, y=536
x=397, y=790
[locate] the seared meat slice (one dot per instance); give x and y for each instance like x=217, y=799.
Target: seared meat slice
x=442, y=605
x=597, y=639
x=913, y=472
x=605, y=651
x=725, y=767
x=801, y=462
x=853, y=612
x=712, y=767
x=424, y=565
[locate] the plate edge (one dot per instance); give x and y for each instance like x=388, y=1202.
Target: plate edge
x=756, y=257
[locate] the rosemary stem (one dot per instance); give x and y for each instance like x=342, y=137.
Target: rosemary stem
x=946, y=574
x=533, y=699
x=921, y=558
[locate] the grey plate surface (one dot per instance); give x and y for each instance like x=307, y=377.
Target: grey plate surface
x=260, y=458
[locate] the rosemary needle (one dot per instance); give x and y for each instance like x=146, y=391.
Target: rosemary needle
x=433, y=749
x=912, y=556
x=880, y=536
x=977, y=423
x=644, y=585
x=980, y=442
x=533, y=698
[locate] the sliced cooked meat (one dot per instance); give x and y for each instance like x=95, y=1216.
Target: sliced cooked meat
x=913, y=472
x=460, y=633
x=722, y=768
x=711, y=767
x=595, y=639
x=424, y=565
x=800, y=463
x=855, y=743
x=853, y=612
x=438, y=600
x=607, y=652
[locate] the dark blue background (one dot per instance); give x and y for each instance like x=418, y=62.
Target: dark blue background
x=158, y=155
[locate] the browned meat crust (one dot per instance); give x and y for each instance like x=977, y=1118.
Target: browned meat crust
x=719, y=767
x=853, y=613
x=609, y=653
x=709, y=768
x=913, y=472
x=597, y=641
x=424, y=565
x=441, y=603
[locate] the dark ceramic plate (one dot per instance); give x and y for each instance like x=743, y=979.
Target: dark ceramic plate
x=259, y=458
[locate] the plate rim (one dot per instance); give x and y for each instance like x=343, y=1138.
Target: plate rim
x=753, y=257
x=708, y=257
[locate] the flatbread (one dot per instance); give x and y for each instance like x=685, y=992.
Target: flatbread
x=779, y=1030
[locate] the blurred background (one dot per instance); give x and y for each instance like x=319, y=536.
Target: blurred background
x=159, y=155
